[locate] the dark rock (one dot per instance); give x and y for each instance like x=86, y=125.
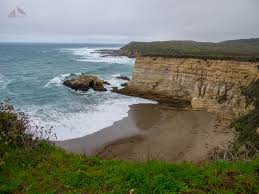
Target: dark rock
x=97, y=85
x=72, y=75
x=84, y=82
x=170, y=100
x=106, y=83
x=124, y=84
x=123, y=77
x=108, y=52
x=115, y=89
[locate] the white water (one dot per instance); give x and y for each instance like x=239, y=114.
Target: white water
x=37, y=87
x=4, y=82
x=89, y=120
x=57, y=81
x=91, y=55
x=93, y=117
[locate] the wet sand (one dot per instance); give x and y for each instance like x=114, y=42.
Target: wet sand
x=156, y=132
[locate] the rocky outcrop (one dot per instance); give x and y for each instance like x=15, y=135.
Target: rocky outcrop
x=215, y=85
x=84, y=83
x=106, y=83
x=123, y=77
x=124, y=84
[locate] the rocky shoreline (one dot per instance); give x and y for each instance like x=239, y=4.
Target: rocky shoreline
x=169, y=100
x=197, y=100
x=85, y=82
x=213, y=85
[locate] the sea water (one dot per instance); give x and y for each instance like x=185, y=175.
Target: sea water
x=31, y=77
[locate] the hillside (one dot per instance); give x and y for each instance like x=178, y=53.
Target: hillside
x=241, y=50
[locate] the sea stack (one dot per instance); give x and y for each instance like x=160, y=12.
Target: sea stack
x=84, y=83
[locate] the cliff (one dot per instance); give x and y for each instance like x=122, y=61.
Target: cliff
x=215, y=85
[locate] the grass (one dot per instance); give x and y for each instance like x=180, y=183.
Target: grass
x=46, y=169
x=240, y=50
x=29, y=165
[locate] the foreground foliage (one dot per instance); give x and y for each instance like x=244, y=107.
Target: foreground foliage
x=16, y=128
x=49, y=169
x=248, y=124
x=29, y=164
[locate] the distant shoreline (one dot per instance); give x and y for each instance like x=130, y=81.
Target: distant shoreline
x=236, y=50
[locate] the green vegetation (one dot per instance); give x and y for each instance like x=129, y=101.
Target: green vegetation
x=240, y=50
x=248, y=124
x=39, y=167
x=48, y=169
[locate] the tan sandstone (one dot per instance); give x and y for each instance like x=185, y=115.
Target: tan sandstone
x=214, y=85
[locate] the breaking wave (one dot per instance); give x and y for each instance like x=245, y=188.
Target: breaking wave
x=92, y=55
x=57, y=81
x=72, y=114
x=87, y=121
x=3, y=82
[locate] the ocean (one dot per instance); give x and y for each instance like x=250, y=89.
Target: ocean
x=31, y=77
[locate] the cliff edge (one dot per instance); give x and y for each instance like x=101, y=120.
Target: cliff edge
x=214, y=85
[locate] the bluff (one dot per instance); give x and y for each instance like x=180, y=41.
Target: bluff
x=237, y=50
x=214, y=85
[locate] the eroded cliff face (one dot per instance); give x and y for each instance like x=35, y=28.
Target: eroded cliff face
x=214, y=85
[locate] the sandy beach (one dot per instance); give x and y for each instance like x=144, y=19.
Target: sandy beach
x=156, y=132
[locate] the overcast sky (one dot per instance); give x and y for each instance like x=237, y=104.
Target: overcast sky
x=120, y=21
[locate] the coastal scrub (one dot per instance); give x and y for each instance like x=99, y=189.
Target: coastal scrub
x=49, y=169
x=43, y=168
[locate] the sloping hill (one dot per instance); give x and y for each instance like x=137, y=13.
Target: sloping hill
x=241, y=50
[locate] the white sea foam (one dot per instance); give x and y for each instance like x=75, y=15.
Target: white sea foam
x=94, y=118
x=89, y=118
x=116, y=75
x=3, y=82
x=92, y=55
x=57, y=81
x=115, y=82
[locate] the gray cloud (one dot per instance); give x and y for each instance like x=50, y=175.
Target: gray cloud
x=126, y=20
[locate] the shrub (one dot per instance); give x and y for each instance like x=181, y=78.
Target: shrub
x=16, y=128
x=246, y=145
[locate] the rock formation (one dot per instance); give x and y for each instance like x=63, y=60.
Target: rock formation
x=124, y=84
x=84, y=82
x=123, y=77
x=106, y=83
x=215, y=85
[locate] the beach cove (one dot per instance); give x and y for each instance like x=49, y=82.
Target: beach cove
x=156, y=132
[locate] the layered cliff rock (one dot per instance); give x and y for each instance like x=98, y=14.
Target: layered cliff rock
x=215, y=85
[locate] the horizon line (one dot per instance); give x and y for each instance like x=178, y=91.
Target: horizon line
x=14, y=42
x=114, y=43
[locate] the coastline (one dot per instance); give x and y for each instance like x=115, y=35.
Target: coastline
x=156, y=132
